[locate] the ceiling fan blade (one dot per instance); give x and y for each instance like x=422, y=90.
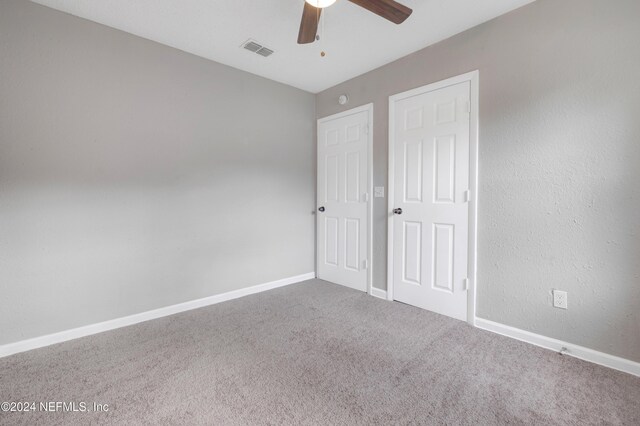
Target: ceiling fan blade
x=388, y=9
x=309, y=24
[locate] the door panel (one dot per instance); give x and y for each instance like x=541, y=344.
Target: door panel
x=331, y=239
x=352, y=244
x=444, y=169
x=412, y=252
x=443, y=256
x=352, y=177
x=431, y=174
x=331, y=178
x=342, y=183
x=413, y=171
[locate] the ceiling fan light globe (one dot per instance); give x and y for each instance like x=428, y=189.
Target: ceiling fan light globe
x=320, y=4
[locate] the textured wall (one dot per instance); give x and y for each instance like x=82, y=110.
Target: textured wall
x=559, y=196
x=135, y=176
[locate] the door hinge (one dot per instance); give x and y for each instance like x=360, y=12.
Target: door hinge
x=469, y=106
x=365, y=264
x=365, y=197
x=465, y=284
x=467, y=196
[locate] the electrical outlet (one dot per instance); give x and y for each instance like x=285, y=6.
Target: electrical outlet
x=560, y=299
x=378, y=192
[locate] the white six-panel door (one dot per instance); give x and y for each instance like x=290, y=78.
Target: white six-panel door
x=430, y=216
x=342, y=219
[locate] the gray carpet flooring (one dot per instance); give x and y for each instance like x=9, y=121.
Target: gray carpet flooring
x=314, y=353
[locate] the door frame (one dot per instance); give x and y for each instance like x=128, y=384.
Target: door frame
x=474, y=78
x=369, y=186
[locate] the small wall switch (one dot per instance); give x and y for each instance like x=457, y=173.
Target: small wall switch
x=560, y=299
x=378, y=192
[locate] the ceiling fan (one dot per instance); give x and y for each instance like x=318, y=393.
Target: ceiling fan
x=388, y=9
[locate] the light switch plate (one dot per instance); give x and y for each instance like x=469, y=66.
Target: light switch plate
x=378, y=192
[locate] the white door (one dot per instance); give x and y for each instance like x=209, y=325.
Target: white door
x=343, y=199
x=430, y=142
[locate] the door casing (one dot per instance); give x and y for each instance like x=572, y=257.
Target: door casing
x=474, y=79
x=368, y=108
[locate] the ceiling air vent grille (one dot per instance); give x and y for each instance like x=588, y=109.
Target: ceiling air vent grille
x=264, y=52
x=252, y=46
x=255, y=47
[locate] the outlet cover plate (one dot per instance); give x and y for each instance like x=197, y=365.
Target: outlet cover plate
x=560, y=299
x=378, y=192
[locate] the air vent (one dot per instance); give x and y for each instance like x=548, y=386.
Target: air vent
x=255, y=47
x=252, y=46
x=264, y=52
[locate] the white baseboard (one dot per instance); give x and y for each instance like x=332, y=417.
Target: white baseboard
x=87, y=330
x=576, y=351
x=376, y=292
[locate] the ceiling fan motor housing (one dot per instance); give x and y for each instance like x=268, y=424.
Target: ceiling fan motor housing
x=388, y=9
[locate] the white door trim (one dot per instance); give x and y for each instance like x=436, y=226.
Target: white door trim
x=369, y=109
x=472, y=77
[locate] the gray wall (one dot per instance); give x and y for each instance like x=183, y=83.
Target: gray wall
x=559, y=198
x=135, y=176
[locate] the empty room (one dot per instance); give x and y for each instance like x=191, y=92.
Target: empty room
x=320, y=212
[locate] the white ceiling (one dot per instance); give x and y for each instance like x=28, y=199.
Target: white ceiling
x=355, y=40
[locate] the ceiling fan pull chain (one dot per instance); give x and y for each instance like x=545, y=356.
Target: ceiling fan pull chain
x=321, y=38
